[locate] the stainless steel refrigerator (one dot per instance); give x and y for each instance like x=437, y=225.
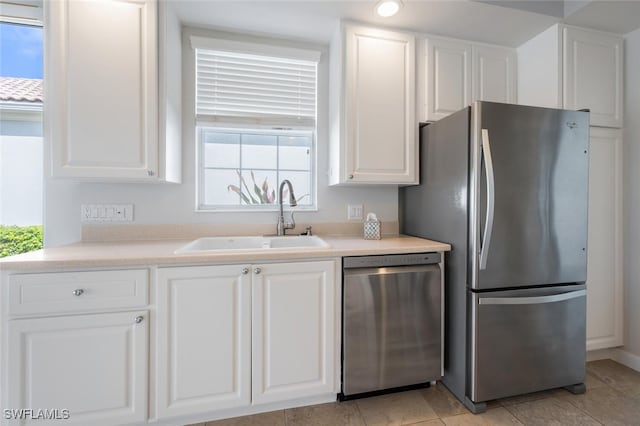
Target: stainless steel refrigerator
x=506, y=186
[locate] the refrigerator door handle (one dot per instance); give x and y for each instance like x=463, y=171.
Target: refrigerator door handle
x=491, y=198
x=536, y=300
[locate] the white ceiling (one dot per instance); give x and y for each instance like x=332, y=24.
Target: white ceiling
x=508, y=23
x=619, y=17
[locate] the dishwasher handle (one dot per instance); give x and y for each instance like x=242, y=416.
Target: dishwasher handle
x=393, y=270
x=390, y=260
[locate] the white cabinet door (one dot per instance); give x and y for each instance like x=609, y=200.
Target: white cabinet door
x=604, y=268
x=448, y=77
x=102, y=113
x=93, y=365
x=380, y=126
x=592, y=75
x=294, y=344
x=494, y=74
x=204, y=341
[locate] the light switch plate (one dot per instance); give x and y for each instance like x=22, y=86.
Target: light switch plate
x=106, y=213
x=354, y=211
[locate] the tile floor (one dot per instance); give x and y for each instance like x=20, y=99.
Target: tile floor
x=612, y=398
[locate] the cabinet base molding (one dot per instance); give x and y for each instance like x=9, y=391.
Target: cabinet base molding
x=627, y=358
x=245, y=411
x=620, y=355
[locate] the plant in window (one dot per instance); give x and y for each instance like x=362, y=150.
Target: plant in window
x=263, y=194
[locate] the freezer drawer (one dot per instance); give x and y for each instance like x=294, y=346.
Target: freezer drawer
x=391, y=327
x=527, y=340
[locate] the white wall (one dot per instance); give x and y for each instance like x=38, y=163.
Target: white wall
x=20, y=180
x=632, y=193
x=170, y=204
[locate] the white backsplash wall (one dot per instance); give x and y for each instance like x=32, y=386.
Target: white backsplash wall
x=631, y=193
x=172, y=204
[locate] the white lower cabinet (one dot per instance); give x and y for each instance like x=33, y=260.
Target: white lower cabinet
x=204, y=339
x=293, y=331
x=94, y=366
x=239, y=335
x=604, y=267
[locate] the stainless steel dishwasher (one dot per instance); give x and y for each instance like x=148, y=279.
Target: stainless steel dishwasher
x=392, y=322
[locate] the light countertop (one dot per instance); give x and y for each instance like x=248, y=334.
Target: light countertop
x=161, y=252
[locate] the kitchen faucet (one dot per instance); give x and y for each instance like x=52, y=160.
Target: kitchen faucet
x=282, y=226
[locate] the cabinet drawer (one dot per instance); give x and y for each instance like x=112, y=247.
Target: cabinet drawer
x=77, y=291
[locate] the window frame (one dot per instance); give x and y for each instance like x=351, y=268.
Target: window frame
x=271, y=48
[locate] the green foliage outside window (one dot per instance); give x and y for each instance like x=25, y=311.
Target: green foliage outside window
x=19, y=239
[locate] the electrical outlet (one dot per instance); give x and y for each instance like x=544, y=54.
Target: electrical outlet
x=354, y=211
x=106, y=212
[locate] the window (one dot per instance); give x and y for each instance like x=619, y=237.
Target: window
x=21, y=143
x=256, y=122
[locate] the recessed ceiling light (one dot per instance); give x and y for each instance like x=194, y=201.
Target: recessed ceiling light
x=386, y=8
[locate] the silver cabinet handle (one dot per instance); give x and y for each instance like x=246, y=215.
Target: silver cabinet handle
x=257, y=271
x=150, y=172
x=491, y=198
x=78, y=292
x=350, y=176
x=139, y=319
x=245, y=271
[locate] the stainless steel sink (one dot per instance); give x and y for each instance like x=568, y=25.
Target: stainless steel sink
x=217, y=244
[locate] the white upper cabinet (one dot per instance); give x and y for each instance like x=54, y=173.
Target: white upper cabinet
x=374, y=126
x=494, y=74
x=573, y=68
x=459, y=72
x=101, y=112
x=593, y=75
x=448, y=77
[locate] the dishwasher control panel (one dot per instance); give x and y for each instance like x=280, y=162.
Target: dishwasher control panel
x=390, y=260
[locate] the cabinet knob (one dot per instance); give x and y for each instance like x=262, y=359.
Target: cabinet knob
x=139, y=319
x=245, y=271
x=150, y=172
x=350, y=176
x=78, y=292
x=257, y=271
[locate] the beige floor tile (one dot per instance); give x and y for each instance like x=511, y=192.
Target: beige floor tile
x=494, y=417
x=528, y=397
x=608, y=406
x=402, y=408
x=617, y=376
x=550, y=411
x=273, y=418
x=332, y=414
x=493, y=404
x=434, y=422
x=442, y=401
x=593, y=382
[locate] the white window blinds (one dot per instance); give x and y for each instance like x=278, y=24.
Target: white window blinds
x=249, y=88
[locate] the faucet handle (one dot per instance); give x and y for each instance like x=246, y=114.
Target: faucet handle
x=307, y=231
x=290, y=225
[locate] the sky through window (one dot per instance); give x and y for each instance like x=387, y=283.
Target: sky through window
x=20, y=50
